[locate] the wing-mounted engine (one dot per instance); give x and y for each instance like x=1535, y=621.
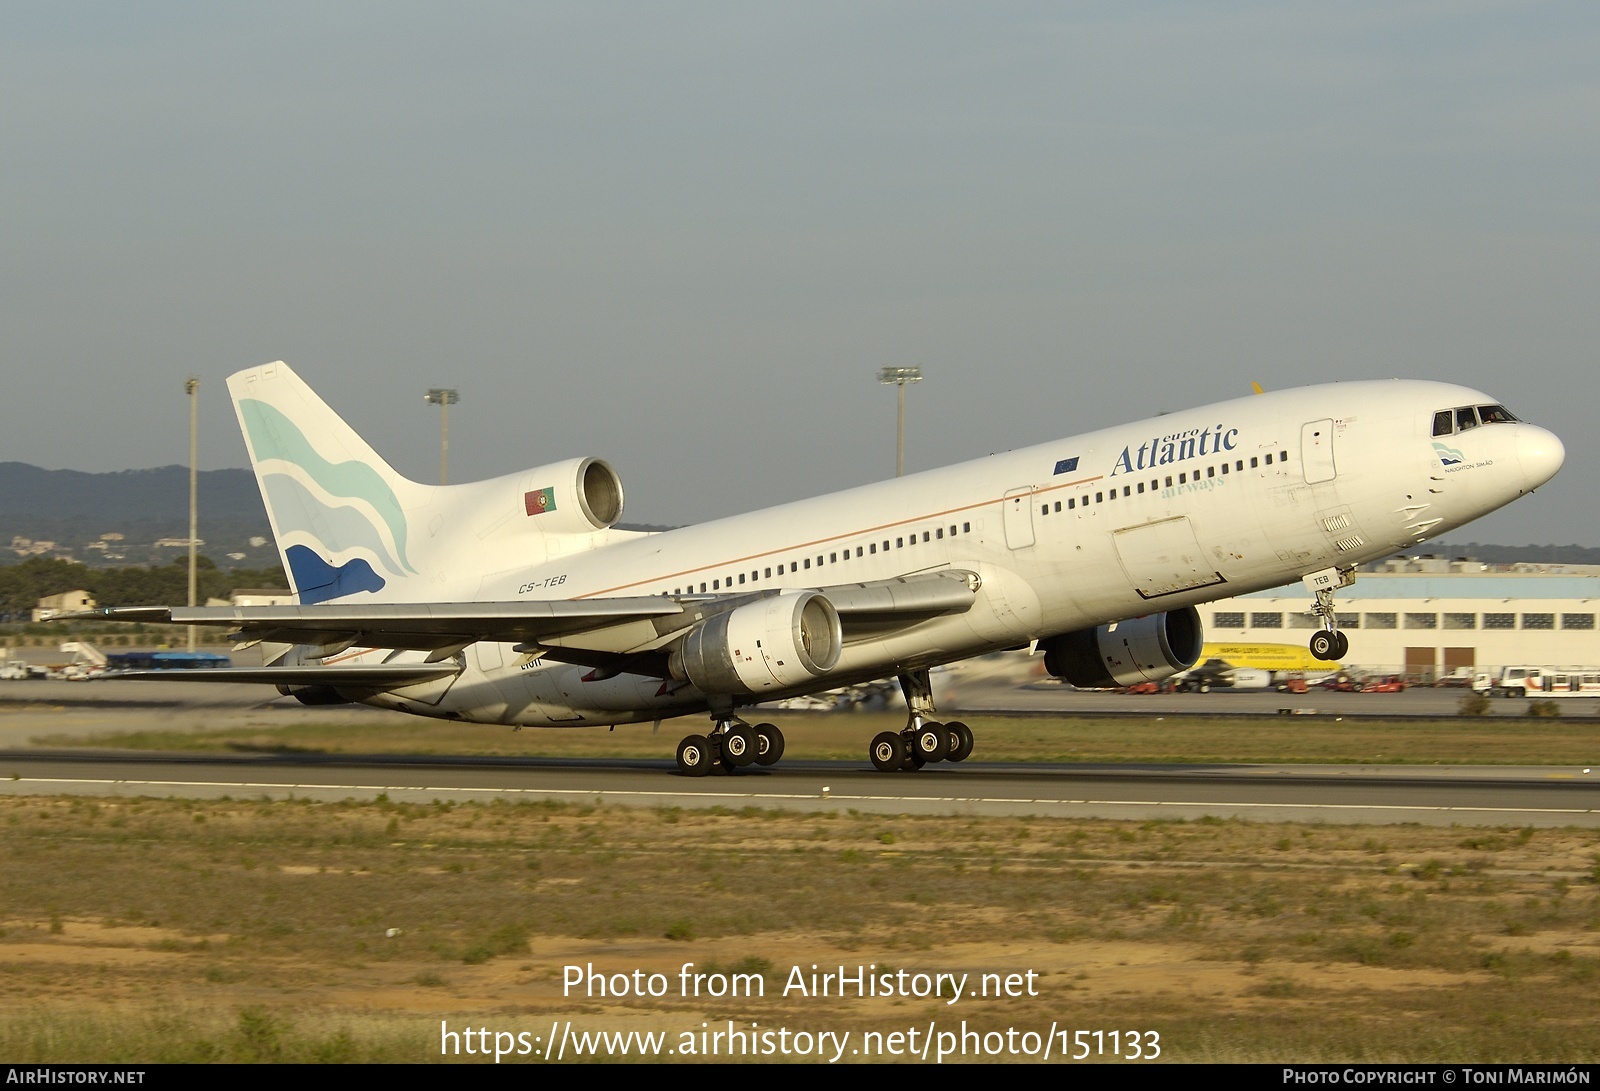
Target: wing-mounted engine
x=767, y=645
x=1142, y=649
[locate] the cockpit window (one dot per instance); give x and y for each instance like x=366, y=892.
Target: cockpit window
x=1446, y=421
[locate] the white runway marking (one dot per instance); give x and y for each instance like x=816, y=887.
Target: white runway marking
x=816, y=801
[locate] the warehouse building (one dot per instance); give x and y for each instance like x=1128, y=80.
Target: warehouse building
x=1427, y=618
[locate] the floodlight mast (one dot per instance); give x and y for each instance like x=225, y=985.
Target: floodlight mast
x=898, y=377
x=191, y=387
x=444, y=398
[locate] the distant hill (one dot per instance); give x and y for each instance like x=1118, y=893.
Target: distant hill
x=1504, y=554
x=73, y=509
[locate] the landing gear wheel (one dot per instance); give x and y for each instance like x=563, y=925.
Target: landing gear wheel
x=694, y=756
x=1341, y=645
x=960, y=741
x=738, y=746
x=888, y=751
x=931, y=742
x=913, y=760
x=1322, y=645
x=769, y=743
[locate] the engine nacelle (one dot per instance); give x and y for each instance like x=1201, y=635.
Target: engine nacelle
x=315, y=695
x=1141, y=649
x=577, y=496
x=770, y=644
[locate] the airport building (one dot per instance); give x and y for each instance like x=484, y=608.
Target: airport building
x=1426, y=618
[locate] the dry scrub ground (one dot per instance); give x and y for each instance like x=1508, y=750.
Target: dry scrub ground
x=158, y=930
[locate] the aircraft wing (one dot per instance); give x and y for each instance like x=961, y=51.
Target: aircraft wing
x=412, y=626
x=381, y=677
x=590, y=631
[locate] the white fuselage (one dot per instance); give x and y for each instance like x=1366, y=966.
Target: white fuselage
x=1127, y=521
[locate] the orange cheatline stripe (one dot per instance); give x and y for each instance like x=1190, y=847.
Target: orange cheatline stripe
x=823, y=541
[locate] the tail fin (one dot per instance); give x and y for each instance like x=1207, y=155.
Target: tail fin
x=339, y=512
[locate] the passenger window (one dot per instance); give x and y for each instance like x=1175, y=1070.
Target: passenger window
x=925, y=533
x=1466, y=417
x=1141, y=487
x=1183, y=479
x=741, y=577
x=1269, y=460
x=713, y=585
x=1211, y=471
x=1283, y=456
x=808, y=562
x=769, y=573
x=1099, y=498
x=1169, y=481
x=702, y=588
x=873, y=547
x=1127, y=490
x=1224, y=469
x=940, y=532
x=966, y=528
x=1239, y=465
x=858, y=551
x=1070, y=502
x=834, y=557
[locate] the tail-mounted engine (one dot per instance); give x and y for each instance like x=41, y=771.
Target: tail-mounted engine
x=770, y=644
x=1143, y=649
x=573, y=497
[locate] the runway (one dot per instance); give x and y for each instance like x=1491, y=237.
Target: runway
x=1434, y=795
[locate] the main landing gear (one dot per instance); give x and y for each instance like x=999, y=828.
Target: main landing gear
x=732, y=745
x=1328, y=643
x=923, y=740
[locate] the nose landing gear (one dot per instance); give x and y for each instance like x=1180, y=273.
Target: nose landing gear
x=1328, y=643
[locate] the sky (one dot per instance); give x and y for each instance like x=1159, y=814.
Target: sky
x=685, y=237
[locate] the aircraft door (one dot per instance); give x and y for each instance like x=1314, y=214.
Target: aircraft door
x=1019, y=518
x=1316, y=451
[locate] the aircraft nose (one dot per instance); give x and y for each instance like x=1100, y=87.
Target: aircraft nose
x=1541, y=454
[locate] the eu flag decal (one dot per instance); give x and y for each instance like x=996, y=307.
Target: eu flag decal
x=539, y=501
x=1067, y=465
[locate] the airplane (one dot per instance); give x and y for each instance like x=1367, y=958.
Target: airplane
x=518, y=601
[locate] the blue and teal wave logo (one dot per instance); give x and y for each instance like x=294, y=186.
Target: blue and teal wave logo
x=337, y=528
x=1448, y=455
x=319, y=581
